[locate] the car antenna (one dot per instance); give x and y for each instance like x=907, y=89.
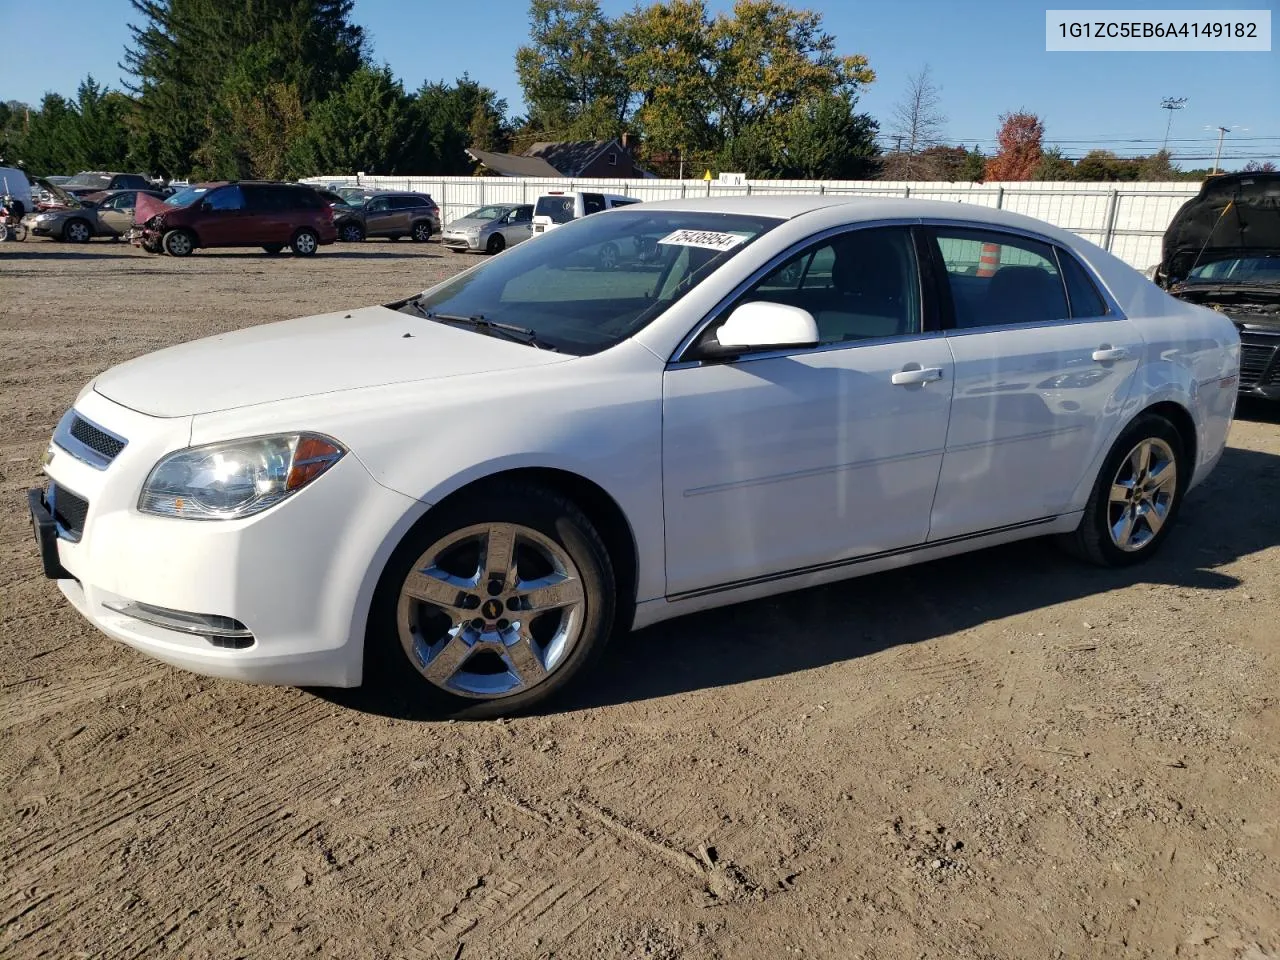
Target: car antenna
x=1205, y=246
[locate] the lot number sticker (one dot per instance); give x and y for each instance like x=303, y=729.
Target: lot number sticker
x=707, y=239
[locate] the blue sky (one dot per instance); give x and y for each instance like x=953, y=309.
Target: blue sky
x=987, y=56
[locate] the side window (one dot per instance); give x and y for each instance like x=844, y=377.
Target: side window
x=592, y=203
x=226, y=199
x=378, y=205
x=403, y=203
x=523, y=214
x=859, y=285
x=997, y=278
x=1085, y=299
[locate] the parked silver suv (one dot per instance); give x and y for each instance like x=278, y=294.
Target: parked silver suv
x=389, y=214
x=491, y=229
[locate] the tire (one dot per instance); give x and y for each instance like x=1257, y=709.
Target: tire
x=77, y=231
x=151, y=246
x=179, y=243
x=608, y=256
x=497, y=243
x=273, y=248
x=4, y=232
x=305, y=242
x=421, y=232
x=1126, y=491
x=351, y=233
x=485, y=663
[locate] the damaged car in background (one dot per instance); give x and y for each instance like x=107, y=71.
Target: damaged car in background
x=1222, y=251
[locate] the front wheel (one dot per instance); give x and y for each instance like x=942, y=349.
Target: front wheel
x=305, y=242
x=351, y=233
x=1136, y=497
x=494, y=605
x=179, y=243
x=273, y=248
x=608, y=256
x=77, y=231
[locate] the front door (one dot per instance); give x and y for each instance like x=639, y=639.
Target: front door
x=379, y=218
x=222, y=214
x=115, y=215
x=777, y=464
x=1041, y=379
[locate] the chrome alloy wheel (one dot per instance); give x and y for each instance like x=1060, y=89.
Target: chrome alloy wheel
x=1142, y=494
x=491, y=610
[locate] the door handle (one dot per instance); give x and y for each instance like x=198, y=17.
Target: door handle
x=1105, y=353
x=918, y=375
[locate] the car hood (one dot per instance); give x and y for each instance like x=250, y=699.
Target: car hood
x=1233, y=216
x=468, y=223
x=368, y=347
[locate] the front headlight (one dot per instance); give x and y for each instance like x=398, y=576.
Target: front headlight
x=45, y=217
x=236, y=478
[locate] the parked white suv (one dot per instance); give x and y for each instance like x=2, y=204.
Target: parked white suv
x=560, y=206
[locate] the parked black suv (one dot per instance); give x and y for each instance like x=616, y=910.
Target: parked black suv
x=1222, y=250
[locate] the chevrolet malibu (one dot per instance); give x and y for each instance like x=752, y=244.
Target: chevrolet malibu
x=470, y=490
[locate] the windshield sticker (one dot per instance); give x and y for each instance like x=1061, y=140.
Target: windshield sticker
x=707, y=239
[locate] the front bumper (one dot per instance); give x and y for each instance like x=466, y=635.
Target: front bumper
x=298, y=576
x=457, y=241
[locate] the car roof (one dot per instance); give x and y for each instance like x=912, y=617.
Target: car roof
x=790, y=206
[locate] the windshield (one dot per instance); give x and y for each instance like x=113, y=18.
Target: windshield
x=559, y=209
x=353, y=195
x=99, y=180
x=600, y=279
x=1238, y=270
x=186, y=196
x=487, y=213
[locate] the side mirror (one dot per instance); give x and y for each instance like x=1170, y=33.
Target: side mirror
x=761, y=325
x=206, y=206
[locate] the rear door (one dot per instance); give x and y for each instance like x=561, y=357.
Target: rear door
x=521, y=225
x=1041, y=378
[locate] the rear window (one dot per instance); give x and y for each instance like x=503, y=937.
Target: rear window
x=559, y=209
x=1085, y=299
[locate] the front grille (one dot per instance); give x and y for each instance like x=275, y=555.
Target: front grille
x=69, y=510
x=95, y=438
x=1254, y=360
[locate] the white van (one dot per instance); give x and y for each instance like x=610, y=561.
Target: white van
x=561, y=206
x=15, y=183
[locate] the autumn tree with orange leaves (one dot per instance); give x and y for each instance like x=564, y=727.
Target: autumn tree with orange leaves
x=1020, y=149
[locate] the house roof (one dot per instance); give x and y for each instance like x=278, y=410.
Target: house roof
x=511, y=165
x=571, y=157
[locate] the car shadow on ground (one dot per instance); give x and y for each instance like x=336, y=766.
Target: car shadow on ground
x=1257, y=410
x=1226, y=518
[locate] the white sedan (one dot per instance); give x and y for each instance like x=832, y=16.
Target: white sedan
x=470, y=490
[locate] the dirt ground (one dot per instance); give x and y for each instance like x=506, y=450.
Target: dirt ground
x=1002, y=755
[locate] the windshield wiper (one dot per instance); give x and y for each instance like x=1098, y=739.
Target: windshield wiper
x=480, y=322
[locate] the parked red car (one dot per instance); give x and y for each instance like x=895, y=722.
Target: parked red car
x=241, y=213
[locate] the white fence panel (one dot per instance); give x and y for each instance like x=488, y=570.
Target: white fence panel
x=1129, y=219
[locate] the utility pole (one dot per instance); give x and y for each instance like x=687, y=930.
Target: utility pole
x=1171, y=104
x=1222, y=132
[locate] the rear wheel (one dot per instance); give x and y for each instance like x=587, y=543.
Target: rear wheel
x=495, y=605
x=1136, y=497
x=273, y=247
x=305, y=242
x=77, y=231
x=497, y=243
x=179, y=243
x=422, y=231
x=608, y=256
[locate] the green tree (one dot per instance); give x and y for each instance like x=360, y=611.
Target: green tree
x=449, y=118
x=571, y=70
x=189, y=60
x=1054, y=165
x=367, y=125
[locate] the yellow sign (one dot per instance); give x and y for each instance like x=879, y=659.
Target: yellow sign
x=707, y=175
